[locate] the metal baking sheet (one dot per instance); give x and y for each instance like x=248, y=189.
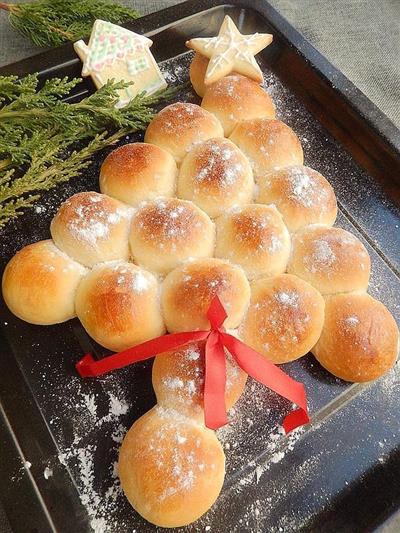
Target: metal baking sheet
x=60, y=434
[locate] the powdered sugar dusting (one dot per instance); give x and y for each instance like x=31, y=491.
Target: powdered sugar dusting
x=260, y=229
x=220, y=163
x=352, y=321
x=288, y=298
x=322, y=256
x=91, y=216
x=305, y=188
x=166, y=222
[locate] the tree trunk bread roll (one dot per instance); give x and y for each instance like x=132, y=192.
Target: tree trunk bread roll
x=171, y=467
x=178, y=380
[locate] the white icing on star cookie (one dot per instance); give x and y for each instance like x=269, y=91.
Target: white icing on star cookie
x=231, y=51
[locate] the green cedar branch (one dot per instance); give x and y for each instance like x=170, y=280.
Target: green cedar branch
x=54, y=22
x=40, y=131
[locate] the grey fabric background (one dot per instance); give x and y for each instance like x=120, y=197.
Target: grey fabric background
x=360, y=37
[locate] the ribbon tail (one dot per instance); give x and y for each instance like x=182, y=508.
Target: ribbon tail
x=88, y=367
x=214, y=383
x=272, y=377
x=296, y=418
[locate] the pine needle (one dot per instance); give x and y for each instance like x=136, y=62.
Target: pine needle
x=54, y=22
x=39, y=130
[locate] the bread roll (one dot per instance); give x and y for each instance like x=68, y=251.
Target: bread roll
x=359, y=340
x=167, y=231
x=284, y=319
x=255, y=237
x=171, y=468
x=235, y=98
x=92, y=228
x=178, y=380
x=215, y=175
x=39, y=284
x=188, y=291
x=301, y=194
x=118, y=305
x=331, y=259
x=269, y=144
x=197, y=72
x=179, y=126
x=138, y=171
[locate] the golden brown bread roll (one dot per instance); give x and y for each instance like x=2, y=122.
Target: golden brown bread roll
x=179, y=126
x=188, y=291
x=197, y=72
x=171, y=468
x=359, y=340
x=178, y=380
x=235, y=98
x=269, y=144
x=118, y=305
x=138, y=171
x=284, y=319
x=301, y=194
x=167, y=231
x=255, y=237
x=331, y=259
x=92, y=228
x=40, y=282
x=215, y=175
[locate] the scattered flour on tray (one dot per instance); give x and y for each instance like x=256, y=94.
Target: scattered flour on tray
x=81, y=454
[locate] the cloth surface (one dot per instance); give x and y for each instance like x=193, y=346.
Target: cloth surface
x=360, y=37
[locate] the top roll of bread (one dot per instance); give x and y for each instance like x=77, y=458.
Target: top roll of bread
x=179, y=126
x=197, y=72
x=235, y=98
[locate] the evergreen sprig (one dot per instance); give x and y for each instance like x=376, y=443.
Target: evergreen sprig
x=54, y=22
x=38, y=130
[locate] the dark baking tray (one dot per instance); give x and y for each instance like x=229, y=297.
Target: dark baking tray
x=338, y=474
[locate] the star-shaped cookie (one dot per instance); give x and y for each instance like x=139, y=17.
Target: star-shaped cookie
x=231, y=51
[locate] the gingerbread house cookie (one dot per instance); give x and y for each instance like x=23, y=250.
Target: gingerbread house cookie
x=116, y=53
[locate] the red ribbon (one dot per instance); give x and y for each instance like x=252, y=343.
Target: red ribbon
x=217, y=340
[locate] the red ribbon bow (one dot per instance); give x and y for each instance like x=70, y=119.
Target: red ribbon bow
x=216, y=339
